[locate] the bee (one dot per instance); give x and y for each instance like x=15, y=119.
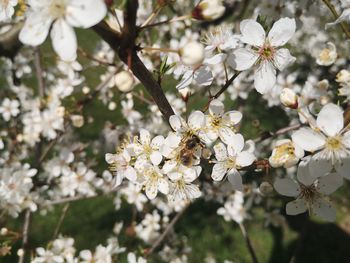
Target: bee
x=190, y=150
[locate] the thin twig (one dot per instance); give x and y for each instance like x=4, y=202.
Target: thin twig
x=336, y=16
x=60, y=221
x=175, y=19
x=166, y=231
x=281, y=131
x=39, y=72
x=248, y=243
x=88, y=56
x=222, y=90
x=25, y=232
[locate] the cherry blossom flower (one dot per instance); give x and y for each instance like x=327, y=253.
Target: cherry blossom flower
x=146, y=149
x=229, y=160
x=9, y=108
x=63, y=15
x=208, y=10
x=310, y=192
x=264, y=52
x=329, y=139
x=233, y=208
x=120, y=164
x=154, y=181
x=181, y=186
x=7, y=9
x=220, y=124
x=286, y=154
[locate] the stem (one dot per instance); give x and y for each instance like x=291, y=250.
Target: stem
x=222, y=90
x=26, y=225
x=175, y=19
x=151, y=17
x=88, y=56
x=160, y=49
x=336, y=16
x=166, y=231
x=39, y=73
x=248, y=243
x=60, y=221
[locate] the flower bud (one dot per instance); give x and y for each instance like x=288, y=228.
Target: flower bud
x=328, y=55
x=343, y=76
x=265, y=188
x=289, y=98
x=20, y=252
x=208, y=10
x=124, y=81
x=192, y=54
x=3, y=231
x=77, y=120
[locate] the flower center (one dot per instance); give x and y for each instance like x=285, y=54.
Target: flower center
x=57, y=8
x=308, y=193
x=284, y=151
x=267, y=52
x=334, y=143
x=231, y=163
x=325, y=55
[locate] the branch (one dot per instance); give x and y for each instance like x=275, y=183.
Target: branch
x=248, y=243
x=25, y=235
x=39, y=72
x=166, y=231
x=124, y=45
x=336, y=16
x=281, y=131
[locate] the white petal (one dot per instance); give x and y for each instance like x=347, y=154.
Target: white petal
x=343, y=168
x=216, y=59
x=156, y=157
x=220, y=152
x=281, y=31
x=283, y=58
x=203, y=76
x=308, y=139
x=64, y=41
x=227, y=136
x=304, y=175
x=245, y=159
x=235, y=179
x=232, y=117
x=85, y=13
x=35, y=29
x=286, y=186
x=330, y=119
x=235, y=144
x=163, y=186
x=151, y=189
x=329, y=183
x=145, y=137
x=324, y=210
x=264, y=77
x=319, y=167
x=216, y=108
x=219, y=171
x=346, y=139
x=252, y=33
x=296, y=207
x=186, y=80
x=196, y=120
x=175, y=122
x=131, y=174
x=110, y=158
x=242, y=59
x=157, y=142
